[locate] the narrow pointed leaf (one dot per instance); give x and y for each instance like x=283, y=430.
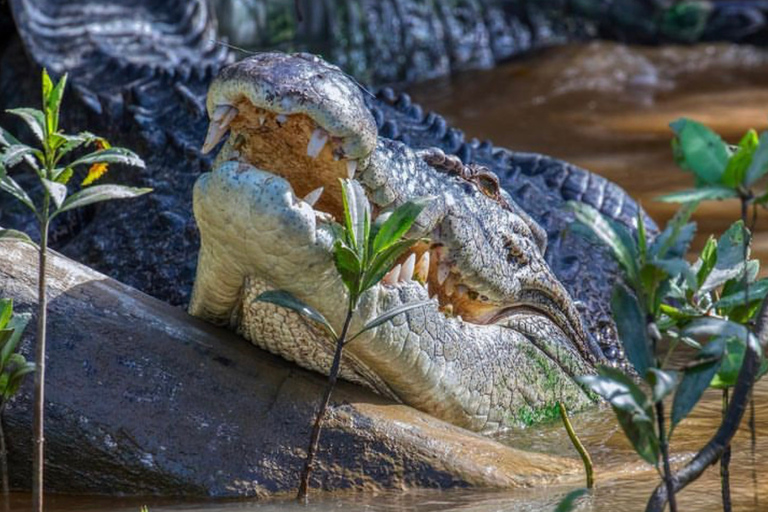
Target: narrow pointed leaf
x=730, y=258
x=98, y=193
x=13, y=155
x=7, y=184
x=357, y=215
x=673, y=241
x=398, y=223
x=287, y=300
x=389, y=315
x=695, y=381
x=630, y=323
x=348, y=266
x=34, y=119
x=8, y=235
x=605, y=232
x=17, y=323
x=705, y=193
x=383, y=263
x=569, y=502
x=6, y=311
x=53, y=104
x=111, y=156
x=719, y=327
x=757, y=291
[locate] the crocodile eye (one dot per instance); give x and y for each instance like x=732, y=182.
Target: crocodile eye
x=488, y=183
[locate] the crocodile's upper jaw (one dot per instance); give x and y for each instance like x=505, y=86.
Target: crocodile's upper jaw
x=297, y=125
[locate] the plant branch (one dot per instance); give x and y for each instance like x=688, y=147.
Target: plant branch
x=714, y=449
x=3, y=454
x=315, y=437
x=585, y=458
x=39, y=433
x=664, y=444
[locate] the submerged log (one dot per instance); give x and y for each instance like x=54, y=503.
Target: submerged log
x=144, y=399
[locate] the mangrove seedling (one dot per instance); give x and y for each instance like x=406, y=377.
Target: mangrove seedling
x=52, y=162
x=13, y=368
x=363, y=253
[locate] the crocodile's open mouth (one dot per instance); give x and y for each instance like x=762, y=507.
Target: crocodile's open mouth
x=296, y=147
x=294, y=126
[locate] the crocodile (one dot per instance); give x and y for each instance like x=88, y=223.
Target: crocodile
x=140, y=73
x=500, y=340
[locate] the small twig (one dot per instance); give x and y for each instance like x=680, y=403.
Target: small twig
x=712, y=451
x=314, y=439
x=3, y=456
x=585, y=458
x=725, y=461
x=668, y=477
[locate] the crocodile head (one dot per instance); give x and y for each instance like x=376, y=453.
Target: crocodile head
x=500, y=340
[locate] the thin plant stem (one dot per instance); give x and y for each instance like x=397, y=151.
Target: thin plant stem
x=585, y=458
x=665, y=456
x=753, y=446
x=38, y=464
x=725, y=461
x=314, y=439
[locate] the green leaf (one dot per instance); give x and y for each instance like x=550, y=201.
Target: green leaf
x=642, y=237
x=730, y=365
x=34, y=119
x=730, y=258
x=662, y=383
x=357, y=216
x=17, y=323
x=674, y=240
x=383, y=262
x=53, y=104
x=8, y=235
x=7, y=184
x=57, y=191
x=704, y=193
x=389, y=315
x=736, y=170
x=675, y=268
x=63, y=175
x=111, y=156
x=757, y=291
x=604, y=231
x=6, y=311
x=348, y=266
x=570, y=500
x=287, y=300
x=707, y=260
x=398, y=223
x=16, y=153
x=98, y=193
x=630, y=323
x=703, y=151
x=75, y=141
x=632, y=408
x=759, y=165
x=6, y=139
x=696, y=380
x=721, y=328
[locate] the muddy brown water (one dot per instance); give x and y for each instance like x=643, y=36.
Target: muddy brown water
x=605, y=107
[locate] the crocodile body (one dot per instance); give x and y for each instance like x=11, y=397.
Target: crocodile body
x=148, y=93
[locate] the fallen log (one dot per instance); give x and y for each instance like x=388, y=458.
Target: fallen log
x=144, y=399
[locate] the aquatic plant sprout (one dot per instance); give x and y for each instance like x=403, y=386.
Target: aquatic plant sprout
x=363, y=253
x=54, y=172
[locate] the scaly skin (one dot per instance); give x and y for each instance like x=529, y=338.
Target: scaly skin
x=501, y=339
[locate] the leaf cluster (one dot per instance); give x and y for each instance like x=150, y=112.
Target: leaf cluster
x=363, y=253
x=51, y=163
x=13, y=366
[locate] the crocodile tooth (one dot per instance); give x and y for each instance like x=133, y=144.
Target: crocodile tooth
x=317, y=142
x=313, y=196
x=406, y=273
x=443, y=270
x=461, y=290
x=351, y=168
x=449, y=285
x=262, y=119
x=392, y=275
x=422, y=267
x=220, y=119
x=281, y=119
